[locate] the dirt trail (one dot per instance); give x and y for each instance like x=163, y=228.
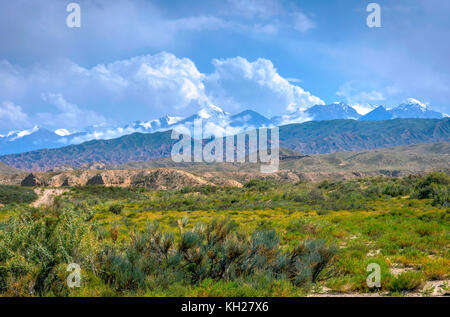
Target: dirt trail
x=431, y=288
x=47, y=196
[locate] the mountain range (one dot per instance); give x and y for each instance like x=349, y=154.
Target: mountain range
x=214, y=120
x=412, y=108
x=313, y=137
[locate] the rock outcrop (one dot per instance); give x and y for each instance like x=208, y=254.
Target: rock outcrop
x=31, y=181
x=96, y=180
x=162, y=178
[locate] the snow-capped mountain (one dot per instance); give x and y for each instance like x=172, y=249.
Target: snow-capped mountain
x=153, y=125
x=411, y=108
x=336, y=110
x=215, y=121
x=29, y=140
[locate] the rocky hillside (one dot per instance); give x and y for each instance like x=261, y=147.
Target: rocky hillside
x=307, y=138
x=348, y=135
x=164, y=174
x=151, y=179
x=5, y=169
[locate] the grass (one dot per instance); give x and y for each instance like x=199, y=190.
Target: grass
x=158, y=243
x=16, y=194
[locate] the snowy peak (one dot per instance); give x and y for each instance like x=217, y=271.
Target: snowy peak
x=14, y=135
x=215, y=122
x=153, y=125
x=410, y=109
x=413, y=108
x=211, y=111
x=62, y=132
x=414, y=104
x=333, y=111
x=336, y=110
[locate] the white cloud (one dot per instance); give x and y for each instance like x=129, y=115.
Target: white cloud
x=256, y=8
x=268, y=16
x=361, y=100
x=302, y=22
x=70, y=115
x=12, y=116
x=240, y=84
x=148, y=87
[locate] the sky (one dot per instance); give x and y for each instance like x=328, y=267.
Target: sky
x=143, y=59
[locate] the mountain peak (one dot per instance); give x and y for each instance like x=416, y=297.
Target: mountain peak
x=413, y=108
x=211, y=111
x=62, y=132
x=413, y=103
x=335, y=110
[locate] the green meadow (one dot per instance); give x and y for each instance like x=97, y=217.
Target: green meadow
x=264, y=239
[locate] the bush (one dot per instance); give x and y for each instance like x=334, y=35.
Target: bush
x=116, y=208
x=36, y=248
x=103, y=193
x=406, y=282
x=16, y=195
x=215, y=251
x=435, y=186
x=260, y=185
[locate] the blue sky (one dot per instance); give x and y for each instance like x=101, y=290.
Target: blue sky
x=139, y=60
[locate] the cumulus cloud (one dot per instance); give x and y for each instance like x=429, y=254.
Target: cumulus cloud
x=147, y=87
x=240, y=84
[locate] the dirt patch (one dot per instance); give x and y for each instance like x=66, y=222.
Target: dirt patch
x=47, y=196
x=399, y=270
x=437, y=288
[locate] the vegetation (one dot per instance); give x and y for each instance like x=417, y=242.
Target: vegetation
x=265, y=239
x=16, y=194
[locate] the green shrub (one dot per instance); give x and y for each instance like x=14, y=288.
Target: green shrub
x=434, y=186
x=16, y=195
x=103, y=193
x=260, y=185
x=37, y=247
x=406, y=282
x=116, y=208
x=215, y=251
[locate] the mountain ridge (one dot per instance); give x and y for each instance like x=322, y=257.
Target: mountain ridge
x=215, y=122
x=315, y=137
